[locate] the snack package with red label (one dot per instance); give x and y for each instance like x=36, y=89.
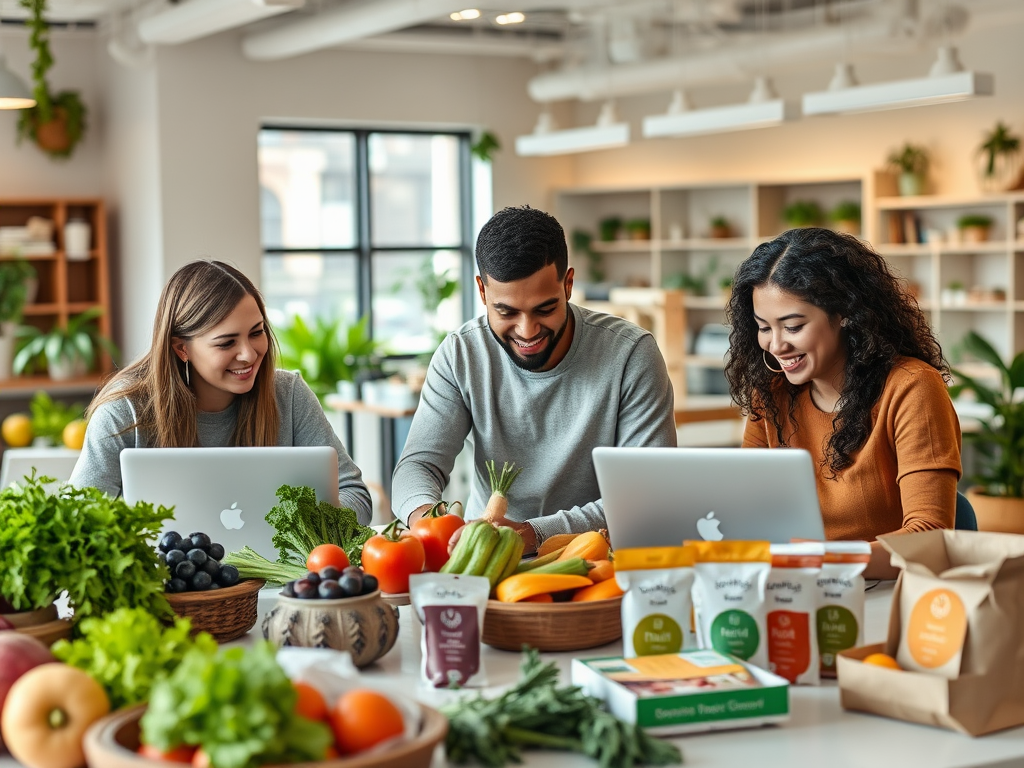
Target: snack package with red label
x=451, y=608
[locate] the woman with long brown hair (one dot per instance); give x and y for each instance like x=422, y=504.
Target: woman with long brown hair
x=208, y=379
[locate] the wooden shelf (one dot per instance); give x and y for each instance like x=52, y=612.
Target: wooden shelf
x=26, y=386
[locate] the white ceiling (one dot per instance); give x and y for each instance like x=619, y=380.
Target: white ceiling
x=591, y=48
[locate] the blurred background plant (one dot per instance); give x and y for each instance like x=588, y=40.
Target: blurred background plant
x=50, y=417
x=325, y=352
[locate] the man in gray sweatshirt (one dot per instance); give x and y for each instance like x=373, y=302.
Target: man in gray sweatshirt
x=537, y=381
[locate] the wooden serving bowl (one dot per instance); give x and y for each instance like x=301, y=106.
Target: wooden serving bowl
x=553, y=626
x=42, y=624
x=112, y=741
x=226, y=613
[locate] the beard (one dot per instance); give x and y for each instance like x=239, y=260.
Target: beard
x=540, y=359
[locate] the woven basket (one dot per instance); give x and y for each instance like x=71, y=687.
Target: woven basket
x=553, y=626
x=226, y=613
x=111, y=742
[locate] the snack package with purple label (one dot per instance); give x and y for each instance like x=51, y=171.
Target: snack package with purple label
x=451, y=608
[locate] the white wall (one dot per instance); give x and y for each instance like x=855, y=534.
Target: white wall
x=825, y=146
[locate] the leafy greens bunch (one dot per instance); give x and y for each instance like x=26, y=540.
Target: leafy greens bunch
x=81, y=540
x=238, y=705
x=128, y=650
x=302, y=524
x=536, y=712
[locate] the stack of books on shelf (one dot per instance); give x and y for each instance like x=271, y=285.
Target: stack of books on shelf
x=24, y=241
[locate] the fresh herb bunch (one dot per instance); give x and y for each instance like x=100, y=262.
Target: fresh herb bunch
x=238, y=705
x=81, y=540
x=129, y=650
x=536, y=712
x=301, y=524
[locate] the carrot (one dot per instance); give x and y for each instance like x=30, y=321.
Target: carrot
x=602, y=590
x=497, y=505
x=601, y=570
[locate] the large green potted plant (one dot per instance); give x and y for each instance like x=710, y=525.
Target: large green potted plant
x=58, y=120
x=68, y=351
x=998, y=493
x=325, y=352
x=911, y=163
x=14, y=277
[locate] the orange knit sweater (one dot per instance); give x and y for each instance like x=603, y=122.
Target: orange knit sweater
x=904, y=476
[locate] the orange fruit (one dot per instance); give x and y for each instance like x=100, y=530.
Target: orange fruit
x=16, y=430
x=362, y=718
x=882, y=660
x=310, y=703
x=74, y=434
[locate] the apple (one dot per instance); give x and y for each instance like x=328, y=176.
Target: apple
x=18, y=654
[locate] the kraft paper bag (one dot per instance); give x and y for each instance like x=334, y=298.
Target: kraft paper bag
x=956, y=628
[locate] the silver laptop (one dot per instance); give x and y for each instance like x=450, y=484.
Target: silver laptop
x=57, y=463
x=226, y=492
x=661, y=496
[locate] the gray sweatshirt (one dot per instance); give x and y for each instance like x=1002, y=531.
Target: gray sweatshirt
x=611, y=389
x=302, y=423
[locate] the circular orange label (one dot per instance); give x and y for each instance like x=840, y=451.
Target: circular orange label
x=937, y=627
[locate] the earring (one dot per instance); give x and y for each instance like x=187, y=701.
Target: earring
x=764, y=356
x=844, y=322
x=187, y=382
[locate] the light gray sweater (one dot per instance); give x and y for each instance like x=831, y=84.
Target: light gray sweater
x=611, y=389
x=302, y=423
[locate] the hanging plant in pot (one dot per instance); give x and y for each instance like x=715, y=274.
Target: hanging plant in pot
x=999, y=160
x=57, y=122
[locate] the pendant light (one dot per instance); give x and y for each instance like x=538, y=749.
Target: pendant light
x=14, y=94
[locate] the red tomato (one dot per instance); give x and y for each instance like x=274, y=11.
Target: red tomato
x=435, y=530
x=327, y=554
x=392, y=556
x=200, y=759
x=182, y=754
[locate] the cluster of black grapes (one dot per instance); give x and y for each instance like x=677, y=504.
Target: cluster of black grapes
x=194, y=562
x=330, y=584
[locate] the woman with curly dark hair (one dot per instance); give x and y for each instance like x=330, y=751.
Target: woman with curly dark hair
x=829, y=352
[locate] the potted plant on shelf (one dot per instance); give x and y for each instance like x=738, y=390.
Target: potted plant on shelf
x=846, y=217
x=998, y=494
x=803, y=213
x=15, y=275
x=58, y=120
x=911, y=163
x=609, y=228
x=719, y=227
x=68, y=351
x=1000, y=160
x=639, y=229
x=974, y=227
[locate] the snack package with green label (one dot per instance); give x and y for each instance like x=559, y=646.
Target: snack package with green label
x=841, y=600
x=656, y=606
x=729, y=597
x=791, y=597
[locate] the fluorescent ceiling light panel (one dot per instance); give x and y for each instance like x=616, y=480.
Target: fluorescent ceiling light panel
x=735, y=117
x=947, y=81
x=573, y=140
x=14, y=94
x=193, y=19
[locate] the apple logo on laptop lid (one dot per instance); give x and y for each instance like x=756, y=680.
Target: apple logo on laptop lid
x=707, y=527
x=231, y=518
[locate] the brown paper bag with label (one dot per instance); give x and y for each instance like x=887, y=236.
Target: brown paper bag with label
x=957, y=629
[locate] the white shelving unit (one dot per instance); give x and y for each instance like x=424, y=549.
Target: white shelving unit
x=990, y=300
x=681, y=243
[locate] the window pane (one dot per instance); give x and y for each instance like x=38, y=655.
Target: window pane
x=311, y=285
x=416, y=299
x=307, y=189
x=414, y=190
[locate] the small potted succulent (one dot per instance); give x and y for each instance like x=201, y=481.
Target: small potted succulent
x=639, y=229
x=911, y=163
x=609, y=228
x=974, y=227
x=719, y=227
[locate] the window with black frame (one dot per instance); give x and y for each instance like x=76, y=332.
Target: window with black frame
x=366, y=225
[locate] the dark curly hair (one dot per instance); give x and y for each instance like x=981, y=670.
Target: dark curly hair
x=845, y=278
x=519, y=241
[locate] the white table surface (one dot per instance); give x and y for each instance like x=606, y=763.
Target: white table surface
x=820, y=734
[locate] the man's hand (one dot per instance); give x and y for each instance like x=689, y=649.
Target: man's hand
x=527, y=531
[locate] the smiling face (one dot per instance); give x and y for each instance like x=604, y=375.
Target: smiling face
x=530, y=317
x=224, y=361
x=805, y=341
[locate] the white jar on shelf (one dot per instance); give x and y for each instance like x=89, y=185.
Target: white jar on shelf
x=77, y=236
